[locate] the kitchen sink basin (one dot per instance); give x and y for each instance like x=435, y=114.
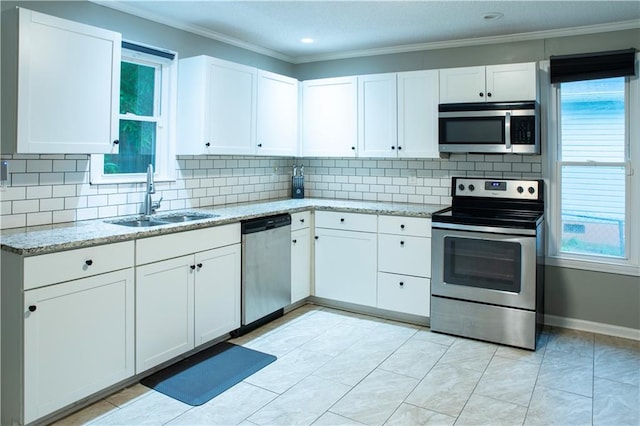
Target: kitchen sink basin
x=163, y=220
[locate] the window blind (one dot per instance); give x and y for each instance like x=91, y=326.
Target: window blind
x=591, y=66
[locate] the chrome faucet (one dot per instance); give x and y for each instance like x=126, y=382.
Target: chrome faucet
x=148, y=206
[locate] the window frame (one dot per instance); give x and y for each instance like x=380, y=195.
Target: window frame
x=625, y=266
x=166, y=102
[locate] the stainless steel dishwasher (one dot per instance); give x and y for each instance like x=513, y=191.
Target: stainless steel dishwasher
x=266, y=269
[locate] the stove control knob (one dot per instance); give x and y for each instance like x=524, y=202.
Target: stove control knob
x=471, y=187
x=461, y=187
x=531, y=190
x=520, y=190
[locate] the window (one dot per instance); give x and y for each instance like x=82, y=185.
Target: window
x=594, y=191
x=147, y=111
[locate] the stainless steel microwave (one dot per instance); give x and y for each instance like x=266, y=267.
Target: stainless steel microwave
x=491, y=127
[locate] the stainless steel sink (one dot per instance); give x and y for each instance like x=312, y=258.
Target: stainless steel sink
x=163, y=219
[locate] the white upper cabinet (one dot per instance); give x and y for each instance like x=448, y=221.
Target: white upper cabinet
x=494, y=83
x=67, y=76
x=377, y=120
x=277, y=115
x=329, y=117
x=418, y=114
x=216, y=107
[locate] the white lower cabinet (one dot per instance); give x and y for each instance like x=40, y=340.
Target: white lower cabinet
x=78, y=339
x=345, y=260
x=404, y=264
x=185, y=301
x=300, y=256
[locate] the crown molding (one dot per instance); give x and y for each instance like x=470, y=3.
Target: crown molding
x=537, y=35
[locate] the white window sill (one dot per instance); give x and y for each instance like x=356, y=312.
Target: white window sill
x=606, y=267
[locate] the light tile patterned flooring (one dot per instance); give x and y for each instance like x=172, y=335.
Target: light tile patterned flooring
x=340, y=368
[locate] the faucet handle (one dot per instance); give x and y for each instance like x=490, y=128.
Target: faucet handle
x=156, y=205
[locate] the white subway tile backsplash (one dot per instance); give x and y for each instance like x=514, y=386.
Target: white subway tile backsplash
x=56, y=188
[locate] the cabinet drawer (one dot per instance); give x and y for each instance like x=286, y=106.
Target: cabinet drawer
x=402, y=225
x=347, y=221
x=400, y=293
x=300, y=220
x=154, y=249
x=74, y=264
x=404, y=255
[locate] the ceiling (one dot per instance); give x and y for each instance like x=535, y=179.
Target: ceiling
x=343, y=29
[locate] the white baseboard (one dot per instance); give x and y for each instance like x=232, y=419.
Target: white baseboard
x=593, y=327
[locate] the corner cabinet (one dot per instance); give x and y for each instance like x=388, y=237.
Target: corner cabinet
x=330, y=117
x=187, y=291
x=67, y=327
x=345, y=257
x=67, y=98
x=493, y=83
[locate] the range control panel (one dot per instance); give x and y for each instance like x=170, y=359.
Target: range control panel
x=496, y=188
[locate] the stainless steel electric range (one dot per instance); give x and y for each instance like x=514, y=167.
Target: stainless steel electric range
x=488, y=258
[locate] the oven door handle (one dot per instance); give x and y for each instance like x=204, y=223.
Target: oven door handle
x=485, y=229
x=507, y=130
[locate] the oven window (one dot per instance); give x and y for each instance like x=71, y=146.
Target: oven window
x=485, y=130
x=494, y=265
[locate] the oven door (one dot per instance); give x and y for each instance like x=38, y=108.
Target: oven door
x=485, y=267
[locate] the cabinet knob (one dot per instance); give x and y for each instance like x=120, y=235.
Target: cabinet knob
x=192, y=267
x=208, y=144
x=116, y=142
x=88, y=262
x=401, y=226
x=294, y=241
x=301, y=220
x=199, y=265
x=259, y=145
x=488, y=94
x=401, y=283
x=32, y=308
x=316, y=237
x=401, y=243
x=393, y=147
x=481, y=95
x=399, y=148
x=342, y=220
x=353, y=148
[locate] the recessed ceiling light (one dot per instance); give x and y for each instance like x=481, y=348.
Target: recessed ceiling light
x=492, y=16
x=306, y=40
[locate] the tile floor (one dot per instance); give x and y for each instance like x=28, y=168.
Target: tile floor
x=339, y=368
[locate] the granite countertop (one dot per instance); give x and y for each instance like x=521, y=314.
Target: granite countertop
x=43, y=239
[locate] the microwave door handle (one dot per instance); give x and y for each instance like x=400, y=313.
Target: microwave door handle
x=507, y=131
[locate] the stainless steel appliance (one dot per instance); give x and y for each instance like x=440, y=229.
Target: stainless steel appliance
x=488, y=257
x=491, y=127
x=266, y=268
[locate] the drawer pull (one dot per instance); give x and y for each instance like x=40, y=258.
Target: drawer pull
x=32, y=308
x=402, y=243
x=88, y=262
x=199, y=265
x=192, y=267
x=316, y=237
x=301, y=220
x=342, y=219
x=401, y=284
x=401, y=226
x=295, y=241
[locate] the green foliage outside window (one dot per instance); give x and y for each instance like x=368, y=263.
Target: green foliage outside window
x=137, y=138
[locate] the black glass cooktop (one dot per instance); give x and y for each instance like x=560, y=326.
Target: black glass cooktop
x=523, y=219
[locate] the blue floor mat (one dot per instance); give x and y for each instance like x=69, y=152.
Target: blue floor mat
x=201, y=377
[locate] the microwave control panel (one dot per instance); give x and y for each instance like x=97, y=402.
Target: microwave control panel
x=523, y=130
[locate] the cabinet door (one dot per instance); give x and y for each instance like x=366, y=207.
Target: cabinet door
x=377, y=115
x=164, y=311
x=512, y=82
x=231, y=112
x=465, y=84
x=277, y=115
x=78, y=339
x=217, y=293
x=329, y=117
x=405, y=294
x=300, y=264
x=346, y=266
x=68, y=86
x=418, y=114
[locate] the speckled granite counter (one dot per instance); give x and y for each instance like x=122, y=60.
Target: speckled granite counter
x=50, y=238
